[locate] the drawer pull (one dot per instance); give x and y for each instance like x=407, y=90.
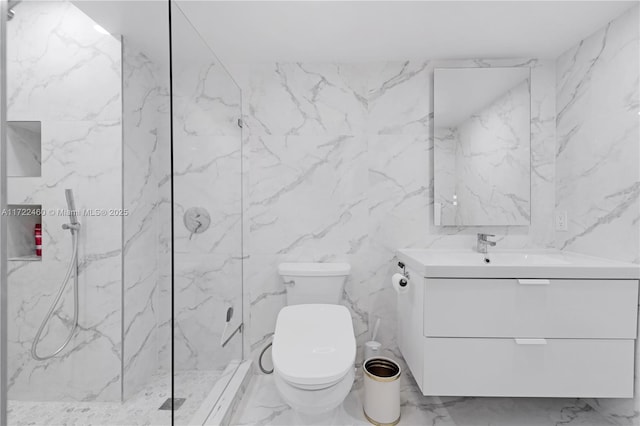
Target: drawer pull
x=531, y=341
x=533, y=282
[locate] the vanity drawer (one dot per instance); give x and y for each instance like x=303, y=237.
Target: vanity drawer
x=467, y=307
x=503, y=367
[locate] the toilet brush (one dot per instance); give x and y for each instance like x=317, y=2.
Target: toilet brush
x=375, y=329
x=372, y=348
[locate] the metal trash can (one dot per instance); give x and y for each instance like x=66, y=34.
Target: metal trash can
x=382, y=391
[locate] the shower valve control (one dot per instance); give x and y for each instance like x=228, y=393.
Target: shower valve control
x=196, y=220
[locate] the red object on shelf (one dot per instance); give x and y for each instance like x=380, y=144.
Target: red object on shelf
x=38, y=236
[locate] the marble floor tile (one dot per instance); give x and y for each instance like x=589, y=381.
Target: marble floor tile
x=141, y=409
x=261, y=405
x=194, y=386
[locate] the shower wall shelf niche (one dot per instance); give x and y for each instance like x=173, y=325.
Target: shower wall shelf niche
x=24, y=149
x=21, y=222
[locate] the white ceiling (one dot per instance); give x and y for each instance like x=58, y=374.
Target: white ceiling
x=358, y=31
x=144, y=23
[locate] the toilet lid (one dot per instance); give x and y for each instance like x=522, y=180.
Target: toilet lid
x=313, y=344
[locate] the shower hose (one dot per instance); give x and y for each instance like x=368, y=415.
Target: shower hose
x=72, y=269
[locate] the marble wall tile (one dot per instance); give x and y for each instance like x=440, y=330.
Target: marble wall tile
x=146, y=138
x=398, y=98
x=598, y=157
x=96, y=182
x=207, y=175
x=597, y=153
x=54, y=59
x=333, y=178
x=306, y=175
x=265, y=298
x=306, y=99
x=543, y=160
x=72, y=375
x=205, y=286
x=399, y=189
x=162, y=172
x=42, y=86
x=307, y=195
x=399, y=203
x=207, y=146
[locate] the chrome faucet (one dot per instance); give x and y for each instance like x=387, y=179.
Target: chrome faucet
x=483, y=242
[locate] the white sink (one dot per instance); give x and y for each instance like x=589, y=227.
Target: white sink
x=514, y=263
x=525, y=258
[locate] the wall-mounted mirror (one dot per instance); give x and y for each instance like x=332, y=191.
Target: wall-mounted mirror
x=482, y=146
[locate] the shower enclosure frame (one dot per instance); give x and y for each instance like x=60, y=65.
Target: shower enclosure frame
x=3, y=204
x=210, y=409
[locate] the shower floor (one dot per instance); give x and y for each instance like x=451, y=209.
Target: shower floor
x=141, y=409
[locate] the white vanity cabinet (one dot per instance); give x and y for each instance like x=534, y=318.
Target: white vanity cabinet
x=520, y=337
x=530, y=308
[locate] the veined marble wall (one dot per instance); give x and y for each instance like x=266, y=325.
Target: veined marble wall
x=146, y=249
x=339, y=167
x=597, y=153
x=598, y=156
x=72, y=136
x=164, y=247
x=68, y=76
x=491, y=164
x=207, y=174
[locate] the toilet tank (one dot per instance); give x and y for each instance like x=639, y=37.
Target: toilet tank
x=314, y=282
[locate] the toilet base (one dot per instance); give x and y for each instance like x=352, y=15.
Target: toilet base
x=315, y=402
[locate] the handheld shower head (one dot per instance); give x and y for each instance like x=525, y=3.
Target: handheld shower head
x=10, y=12
x=73, y=214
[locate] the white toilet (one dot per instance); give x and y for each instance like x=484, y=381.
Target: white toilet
x=314, y=347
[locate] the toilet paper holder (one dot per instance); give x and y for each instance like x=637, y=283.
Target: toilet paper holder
x=404, y=270
x=405, y=273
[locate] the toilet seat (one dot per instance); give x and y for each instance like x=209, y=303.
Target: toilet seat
x=314, y=345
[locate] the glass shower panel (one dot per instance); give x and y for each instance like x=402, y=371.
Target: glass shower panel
x=65, y=132
x=207, y=237
x=89, y=147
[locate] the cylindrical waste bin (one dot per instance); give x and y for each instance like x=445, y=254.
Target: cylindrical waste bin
x=382, y=391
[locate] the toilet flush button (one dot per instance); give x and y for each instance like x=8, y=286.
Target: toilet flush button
x=324, y=350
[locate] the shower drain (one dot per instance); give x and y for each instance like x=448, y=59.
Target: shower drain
x=175, y=403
